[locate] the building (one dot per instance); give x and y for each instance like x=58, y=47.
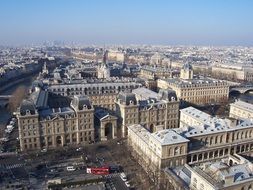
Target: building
x=148, y=108
x=186, y=72
x=196, y=91
x=101, y=94
x=103, y=69
x=206, y=138
x=157, y=150
x=240, y=109
x=157, y=59
x=155, y=72
x=116, y=56
x=105, y=125
x=243, y=73
x=47, y=120
x=231, y=173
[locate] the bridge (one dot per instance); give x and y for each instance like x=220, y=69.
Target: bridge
x=4, y=100
x=241, y=89
x=5, y=97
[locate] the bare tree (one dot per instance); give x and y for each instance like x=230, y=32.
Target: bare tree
x=17, y=97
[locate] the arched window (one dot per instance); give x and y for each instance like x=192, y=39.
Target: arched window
x=205, y=155
x=181, y=149
x=237, y=135
x=211, y=140
x=216, y=139
x=176, y=150
x=221, y=137
x=194, y=158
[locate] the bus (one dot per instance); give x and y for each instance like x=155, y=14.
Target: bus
x=98, y=171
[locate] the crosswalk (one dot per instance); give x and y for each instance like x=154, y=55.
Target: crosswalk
x=12, y=166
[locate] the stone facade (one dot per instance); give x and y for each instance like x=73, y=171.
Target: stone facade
x=208, y=139
x=147, y=108
x=196, y=91
x=240, y=109
x=55, y=127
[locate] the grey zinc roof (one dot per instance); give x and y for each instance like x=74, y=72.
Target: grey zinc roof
x=168, y=136
x=209, y=124
x=51, y=112
x=244, y=105
x=27, y=105
x=144, y=93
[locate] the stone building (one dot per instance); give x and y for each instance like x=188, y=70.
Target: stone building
x=155, y=72
x=196, y=91
x=151, y=109
x=240, y=109
x=155, y=151
x=103, y=70
x=186, y=72
x=243, y=73
x=105, y=125
x=231, y=173
x=42, y=124
x=101, y=94
x=206, y=138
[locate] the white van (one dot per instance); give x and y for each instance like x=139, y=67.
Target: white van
x=71, y=168
x=123, y=176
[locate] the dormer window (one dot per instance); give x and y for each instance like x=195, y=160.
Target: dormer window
x=84, y=106
x=28, y=112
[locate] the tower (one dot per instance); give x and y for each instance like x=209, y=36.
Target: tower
x=103, y=69
x=186, y=71
x=45, y=69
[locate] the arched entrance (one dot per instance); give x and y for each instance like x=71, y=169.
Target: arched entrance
x=230, y=162
x=151, y=128
x=58, y=140
x=108, y=131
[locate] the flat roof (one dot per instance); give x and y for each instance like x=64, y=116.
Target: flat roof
x=168, y=136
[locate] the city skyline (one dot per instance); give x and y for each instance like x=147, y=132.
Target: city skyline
x=214, y=23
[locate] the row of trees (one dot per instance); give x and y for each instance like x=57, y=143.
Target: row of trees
x=17, y=97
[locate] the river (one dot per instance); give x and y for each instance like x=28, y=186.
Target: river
x=4, y=112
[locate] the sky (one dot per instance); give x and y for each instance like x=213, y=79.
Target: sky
x=156, y=22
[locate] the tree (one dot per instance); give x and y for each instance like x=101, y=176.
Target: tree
x=18, y=95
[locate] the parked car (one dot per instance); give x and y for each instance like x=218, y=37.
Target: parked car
x=71, y=168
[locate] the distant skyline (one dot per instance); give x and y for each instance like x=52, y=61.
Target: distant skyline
x=155, y=22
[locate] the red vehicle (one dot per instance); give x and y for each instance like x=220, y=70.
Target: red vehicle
x=98, y=171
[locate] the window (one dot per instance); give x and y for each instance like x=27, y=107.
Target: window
x=194, y=183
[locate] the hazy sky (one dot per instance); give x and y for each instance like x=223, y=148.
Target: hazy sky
x=167, y=22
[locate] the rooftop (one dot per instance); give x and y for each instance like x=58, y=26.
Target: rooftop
x=168, y=136
x=209, y=124
x=195, y=81
x=144, y=93
x=140, y=131
x=244, y=105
